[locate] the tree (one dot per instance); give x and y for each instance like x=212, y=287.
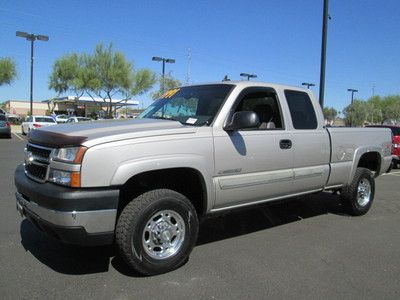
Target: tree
x=356, y=113
x=330, y=114
x=169, y=84
x=8, y=71
x=105, y=73
x=66, y=75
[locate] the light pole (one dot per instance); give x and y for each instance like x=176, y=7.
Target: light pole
x=352, y=94
x=32, y=37
x=323, y=52
x=307, y=84
x=352, y=98
x=248, y=75
x=164, y=60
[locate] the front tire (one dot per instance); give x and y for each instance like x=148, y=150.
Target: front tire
x=157, y=231
x=359, y=195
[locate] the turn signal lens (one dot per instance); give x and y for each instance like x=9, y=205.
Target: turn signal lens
x=75, y=179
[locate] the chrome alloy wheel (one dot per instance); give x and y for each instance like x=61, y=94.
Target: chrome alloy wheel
x=363, y=192
x=163, y=234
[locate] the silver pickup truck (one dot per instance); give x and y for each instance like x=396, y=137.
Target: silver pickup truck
x=145, y=183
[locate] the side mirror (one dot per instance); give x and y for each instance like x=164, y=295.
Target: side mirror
x=243, y=120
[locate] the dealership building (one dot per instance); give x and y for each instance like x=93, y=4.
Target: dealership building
x=69, y=105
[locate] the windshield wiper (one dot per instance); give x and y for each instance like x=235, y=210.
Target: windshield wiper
x=173, y=119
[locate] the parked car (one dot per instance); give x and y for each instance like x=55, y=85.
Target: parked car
x=5, y=126
x=395, y=142
x=61, y=118
x=78, y=119
x=145, y=183
x=34, y=122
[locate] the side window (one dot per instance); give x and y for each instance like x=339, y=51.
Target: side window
x=301, y=110
x=265, y=105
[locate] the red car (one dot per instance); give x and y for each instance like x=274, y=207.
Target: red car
x=395, y=142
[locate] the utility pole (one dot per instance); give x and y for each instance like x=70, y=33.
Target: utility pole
x=323, y=52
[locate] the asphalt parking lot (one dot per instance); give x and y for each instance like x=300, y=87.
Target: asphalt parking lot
x=304, y=249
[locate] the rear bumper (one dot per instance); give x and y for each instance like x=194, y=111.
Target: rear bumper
x=77, y=216
x=5, y=130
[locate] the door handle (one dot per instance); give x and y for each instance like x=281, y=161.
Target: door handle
x=285, y=144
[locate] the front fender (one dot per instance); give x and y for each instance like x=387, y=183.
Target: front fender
x=130, y=168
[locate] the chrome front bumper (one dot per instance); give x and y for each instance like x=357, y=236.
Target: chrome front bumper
x=93, y=221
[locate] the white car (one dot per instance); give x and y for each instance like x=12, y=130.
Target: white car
x=61, y=118
x=78, y=119
x=34, y=122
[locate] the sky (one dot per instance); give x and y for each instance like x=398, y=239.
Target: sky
x=279, y=40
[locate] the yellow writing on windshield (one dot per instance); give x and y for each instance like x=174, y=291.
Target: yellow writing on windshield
x=170, y=93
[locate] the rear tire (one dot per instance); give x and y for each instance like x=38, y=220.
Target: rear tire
x=157, y=231
x=359, y=195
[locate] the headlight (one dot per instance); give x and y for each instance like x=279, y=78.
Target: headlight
x=70, y=155
x=72, y=179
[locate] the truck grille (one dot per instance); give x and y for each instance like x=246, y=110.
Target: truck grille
x=37, y=160
x=40, y=152
x=36, y=171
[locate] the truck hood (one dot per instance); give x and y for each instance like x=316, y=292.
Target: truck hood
x=99, y=132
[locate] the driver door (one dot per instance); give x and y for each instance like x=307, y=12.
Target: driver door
x=253, y=164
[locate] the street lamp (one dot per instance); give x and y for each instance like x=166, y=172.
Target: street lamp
x=325, y=18
x=32, y=37
x=308, y=84
x=352, y=94
x=248, y=75
x=164, y=60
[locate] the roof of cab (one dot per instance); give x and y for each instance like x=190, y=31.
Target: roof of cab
x=247, y=83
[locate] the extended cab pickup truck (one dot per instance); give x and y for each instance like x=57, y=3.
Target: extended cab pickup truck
x=145, y=183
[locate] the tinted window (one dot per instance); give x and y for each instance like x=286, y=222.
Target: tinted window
x=395, y=130
x=81, y=119
x=265, y=105
x=301, y=110
x=3, y=118
x=44, y=120
x=192, y=105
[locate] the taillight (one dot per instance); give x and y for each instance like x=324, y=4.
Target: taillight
x=8, y=124
x=37, y=125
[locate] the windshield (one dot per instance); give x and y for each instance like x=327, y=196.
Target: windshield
x=191, y=105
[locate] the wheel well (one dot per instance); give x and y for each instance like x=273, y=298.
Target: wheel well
x=371, y=161
x=186, y=181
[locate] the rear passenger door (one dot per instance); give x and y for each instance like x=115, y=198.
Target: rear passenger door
x=311, y=143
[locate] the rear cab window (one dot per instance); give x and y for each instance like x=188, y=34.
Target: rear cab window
x=301, y=110
x=44, y=120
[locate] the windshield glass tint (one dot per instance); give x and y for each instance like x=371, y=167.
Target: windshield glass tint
x=192, y=105
x=44, y=120
x=3, y=118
